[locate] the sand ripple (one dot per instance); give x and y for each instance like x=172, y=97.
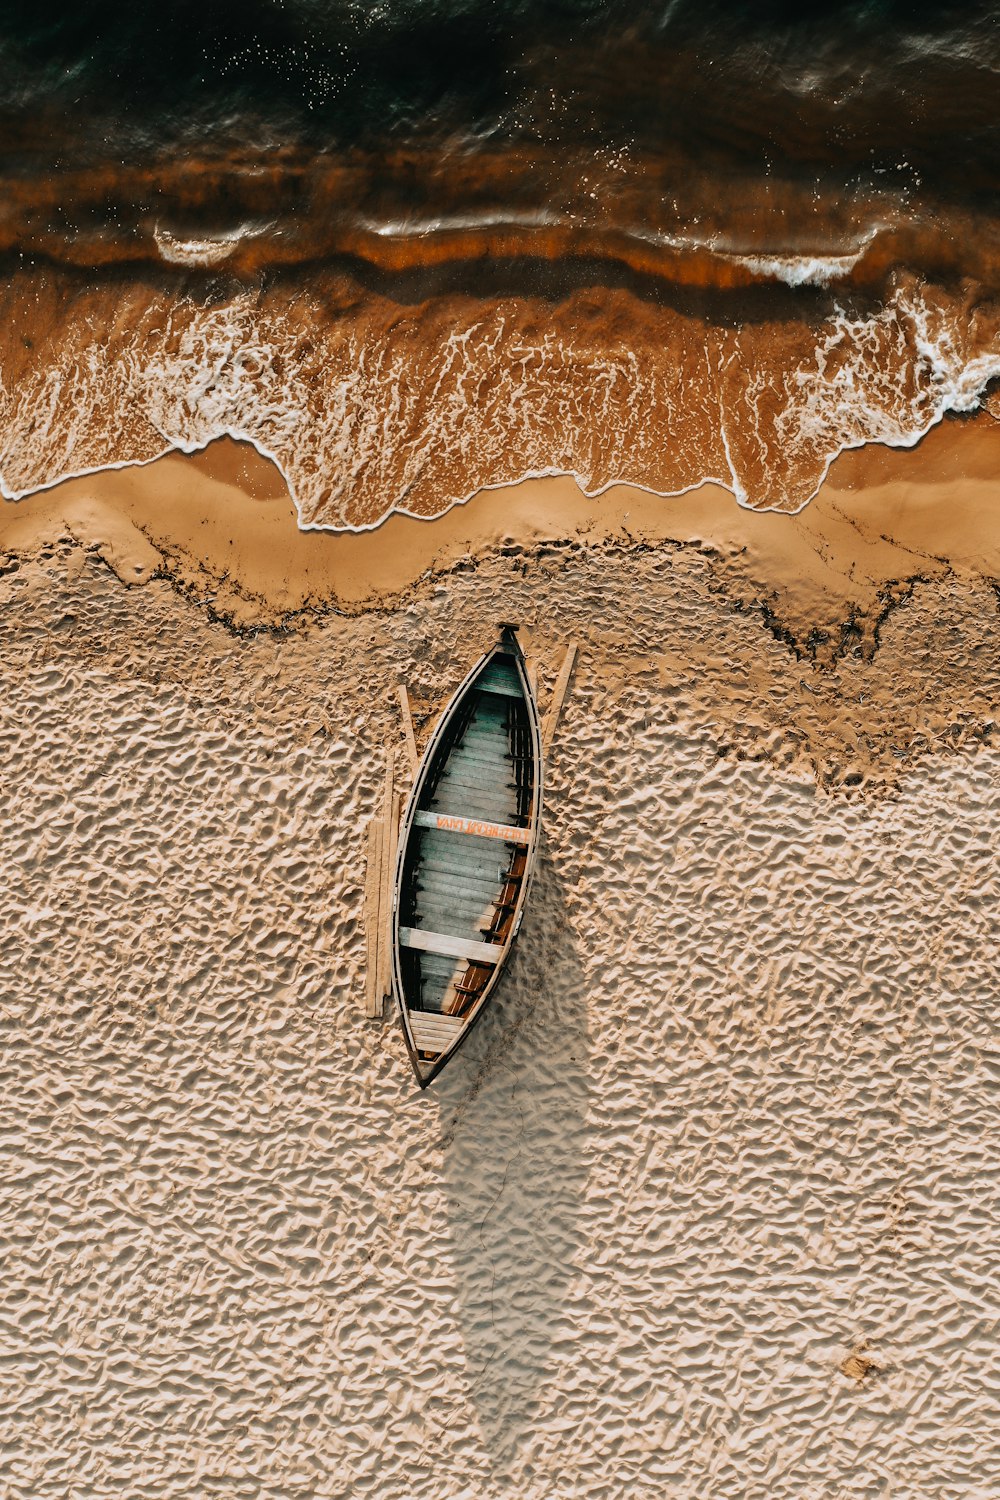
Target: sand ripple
x=704, y=1208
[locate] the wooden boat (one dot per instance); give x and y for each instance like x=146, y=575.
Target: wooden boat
x=467, y=849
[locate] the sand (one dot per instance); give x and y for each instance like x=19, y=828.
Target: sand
x=705, y=1207
x=222, y=524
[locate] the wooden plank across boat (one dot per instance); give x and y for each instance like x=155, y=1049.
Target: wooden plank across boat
x=467, y=850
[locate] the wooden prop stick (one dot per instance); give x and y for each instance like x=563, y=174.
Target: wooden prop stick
x=383, y=981
x=373, y=927
x=389, y=847
x=411, y=744
x=558, y=696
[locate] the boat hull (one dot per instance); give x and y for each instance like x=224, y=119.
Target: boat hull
x=467, y=851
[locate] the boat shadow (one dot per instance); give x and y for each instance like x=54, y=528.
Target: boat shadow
x=514, y=1115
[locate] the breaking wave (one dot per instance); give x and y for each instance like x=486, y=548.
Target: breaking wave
x=370, y=407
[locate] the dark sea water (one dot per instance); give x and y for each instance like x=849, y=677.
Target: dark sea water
x=411, y=249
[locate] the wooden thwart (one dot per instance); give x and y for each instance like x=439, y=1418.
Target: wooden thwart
x=433, y=1032
x=448, y=946
x=499, y=687
x=478, y=827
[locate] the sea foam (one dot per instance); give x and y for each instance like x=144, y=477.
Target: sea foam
x=369, y=408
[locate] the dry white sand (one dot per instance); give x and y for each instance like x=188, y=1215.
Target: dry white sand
x=707, y=1207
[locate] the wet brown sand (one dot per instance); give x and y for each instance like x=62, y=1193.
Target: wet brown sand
x=221, y=523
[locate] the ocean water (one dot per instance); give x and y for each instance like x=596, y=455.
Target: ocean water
x=414, y=249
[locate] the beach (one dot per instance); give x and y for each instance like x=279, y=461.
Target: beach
x=703, y=1206
x=334, y=341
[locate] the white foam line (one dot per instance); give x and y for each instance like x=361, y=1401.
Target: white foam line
x=910, y=441
x=242, y=437
x=731, y=483
x=410, y=229
x=816, y=268
x=64, y=478
x=799, y=270
x=211, y=250
x=178, y=446
x=958, y=402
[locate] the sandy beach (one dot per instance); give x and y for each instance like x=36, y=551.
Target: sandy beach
x=335, y=338
x=704, y=1208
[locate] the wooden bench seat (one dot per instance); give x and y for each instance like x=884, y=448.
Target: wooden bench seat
x=450, y=947
x=501, y=680
x=473, y=827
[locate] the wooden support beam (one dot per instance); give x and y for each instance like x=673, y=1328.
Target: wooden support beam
x=390, y=844
x=558, y=696
x=383, y=980
x=411, y=743
x=382, y=834
x=373, y=927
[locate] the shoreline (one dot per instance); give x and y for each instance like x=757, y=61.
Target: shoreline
x=222, y=520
